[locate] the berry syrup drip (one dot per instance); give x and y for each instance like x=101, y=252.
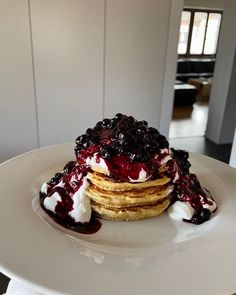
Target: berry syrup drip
x=90, y=227
x=65, y=184
x=188, y=189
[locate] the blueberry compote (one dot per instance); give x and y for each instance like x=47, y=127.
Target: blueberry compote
x=57, y=198
x=126, y=150
x=128, y=147
x=188, y=189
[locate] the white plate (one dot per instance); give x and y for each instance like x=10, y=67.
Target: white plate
x=154, y=256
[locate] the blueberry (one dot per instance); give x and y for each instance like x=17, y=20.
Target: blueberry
x=98, y=126
x=201, y=216
x=130, y=120
x=119, y=116
x=205, y=214
x=184, y=166
x=90, y=132
x=147, y=146
x=153, y=133
x=120, y=150
x=163, y=143
x=141, y=130
x=56, y=178
x=181, y=156
x=69, y=166
x=121, y=136
x=144, y=123
x=81, y=139
x=86, y=144
x=78, y=148
x=94, y=139
x=153, y=147
x=139, y=157
x=107, y=152
x=106, y=122
x=196, y=219
x=113, y=123
x=124, y=141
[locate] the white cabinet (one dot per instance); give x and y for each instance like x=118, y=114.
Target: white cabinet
x=18, y=130
x=68, y=39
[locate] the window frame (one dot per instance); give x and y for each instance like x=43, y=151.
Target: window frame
x=192, y=13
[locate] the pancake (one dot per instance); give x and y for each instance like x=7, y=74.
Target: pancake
x=131, y=213
x=115, y=200
x=119, y=199
x=106, y=183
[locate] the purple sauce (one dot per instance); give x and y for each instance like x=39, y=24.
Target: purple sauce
x=67, y=222
x=61, y=216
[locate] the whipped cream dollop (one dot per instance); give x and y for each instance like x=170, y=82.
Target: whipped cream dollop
x=81, y=207
x=181, y=210
x=143, y=176
x=165, y=155
x=44, y=188
x=81, y=204
x=184, y=210
x=96, y=163
x=51, y=202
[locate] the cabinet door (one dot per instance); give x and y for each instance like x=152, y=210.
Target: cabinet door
x=136, y=45
x=18, y=132
x=68, y=39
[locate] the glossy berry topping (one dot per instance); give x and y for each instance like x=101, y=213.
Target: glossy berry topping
x=181, y=157
x=122, y=136
x=55, y=179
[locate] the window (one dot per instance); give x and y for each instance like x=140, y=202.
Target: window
x=212, y=33
x=184, y=31
x=199, y=32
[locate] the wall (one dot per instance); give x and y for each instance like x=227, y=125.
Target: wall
x=222, y=108
x=18, y=127
x=167, y=100
x=68, y=40
x=136, y=44
x=229, y=119
x=67, y=64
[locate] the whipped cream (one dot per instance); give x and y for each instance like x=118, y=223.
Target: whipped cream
x=50, y=203
x=167, y=156
x=211, y=205
x=81, y=211
x=97, y=164
x=81, y=208
x=181, y=210
x=44, y=188
x=143, y=176
x=176, y=177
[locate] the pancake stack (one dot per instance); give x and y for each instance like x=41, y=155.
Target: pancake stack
x=115, y=200
x=124, y=170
